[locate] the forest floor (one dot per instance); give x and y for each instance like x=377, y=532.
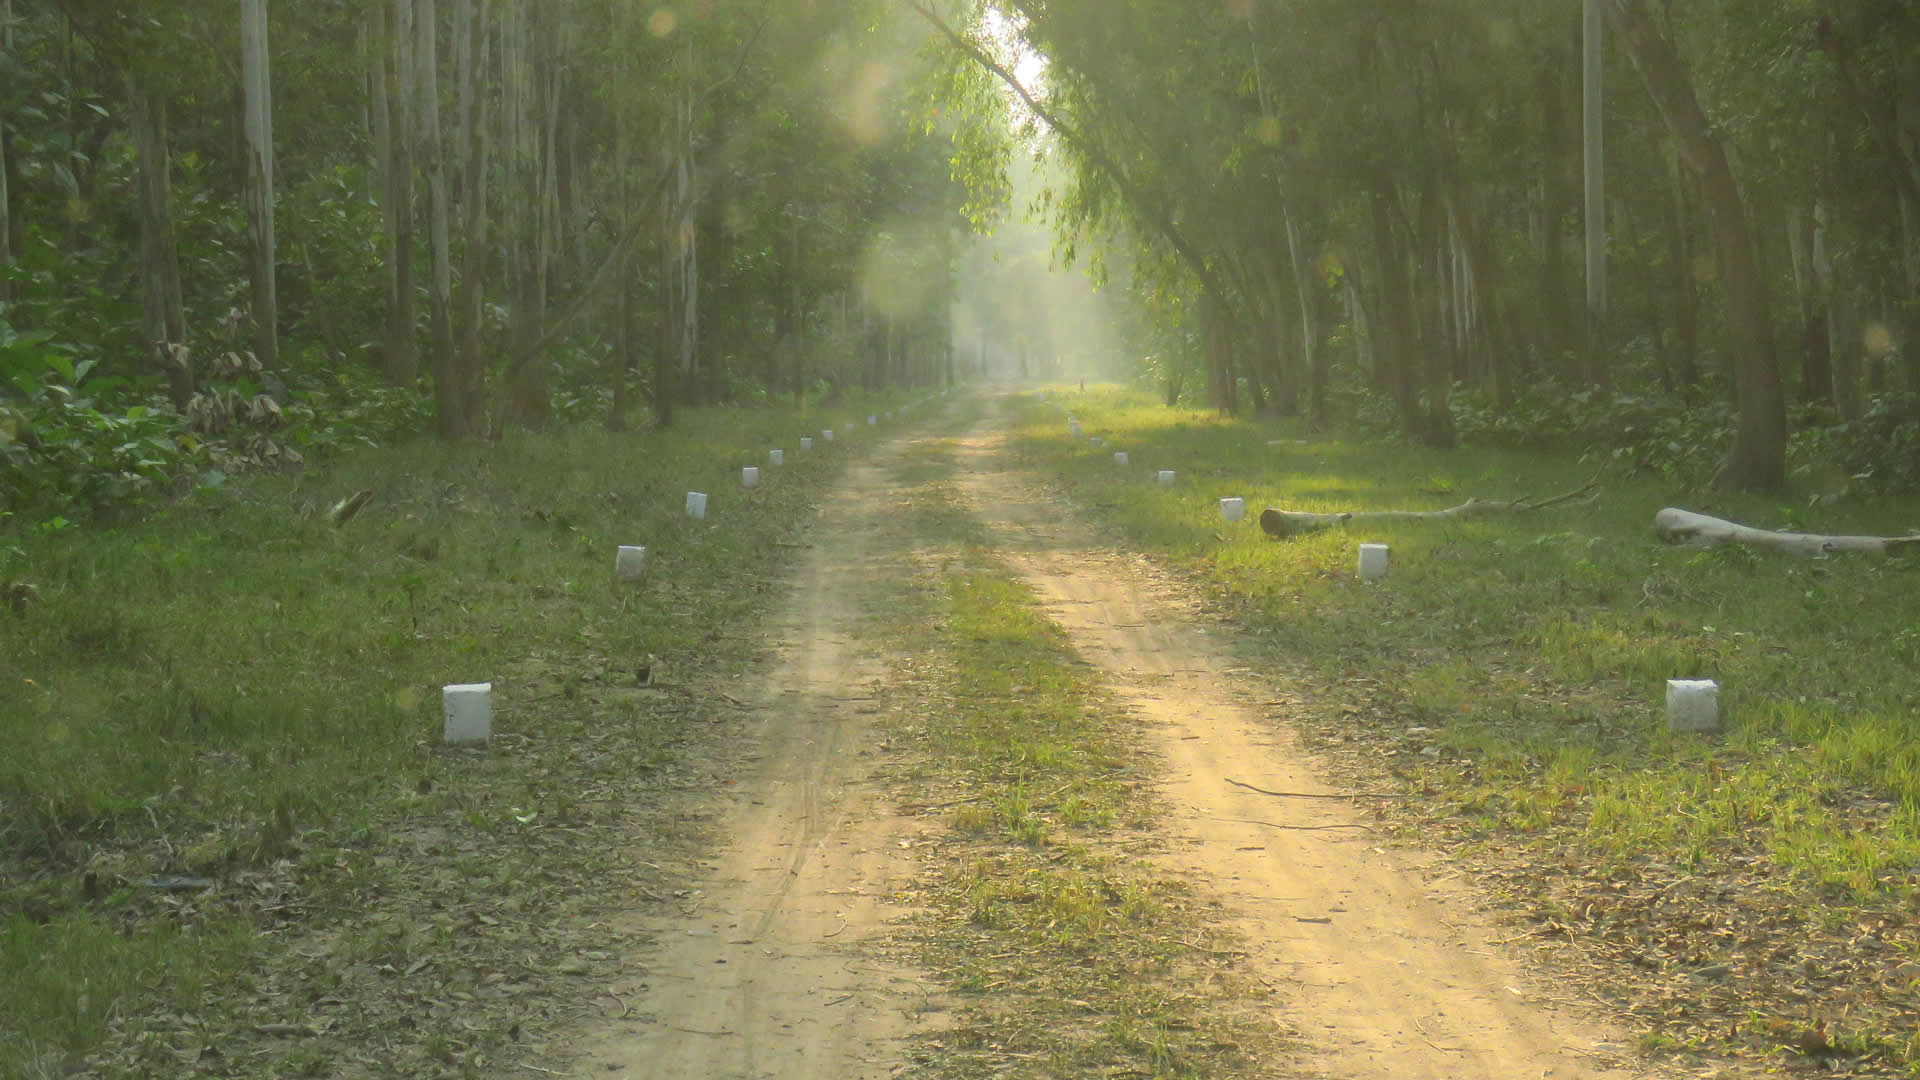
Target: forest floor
x=874, y=911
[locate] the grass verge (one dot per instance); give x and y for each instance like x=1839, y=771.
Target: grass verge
x=1068, y=953
x=1755, y=893
x=231, y=843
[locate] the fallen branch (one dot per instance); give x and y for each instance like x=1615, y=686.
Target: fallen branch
x=1319, y=795
x=1286, y=524
x=1684, y=526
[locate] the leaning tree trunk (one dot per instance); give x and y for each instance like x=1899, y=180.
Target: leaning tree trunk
x=1758, y=459
x=256, y=76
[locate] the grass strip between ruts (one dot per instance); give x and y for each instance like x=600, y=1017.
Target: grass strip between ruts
x=1067, y=952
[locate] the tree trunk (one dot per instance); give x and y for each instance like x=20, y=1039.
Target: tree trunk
x=401, y=360
x=256, y=77
x=7, y=248
x=449, y=401
x=1684, y=526
x=1433, y=353
x=1807, y=248
x=1685, y=350
x=1314, y=357
x=1758, y=457
x=463, y=397
x=163, y=321
x=1562, y=357
x=1483, y=269
x=1394, y=333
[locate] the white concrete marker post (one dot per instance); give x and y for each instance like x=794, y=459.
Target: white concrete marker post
x=1119, y=457
x=1074, y=426
x=872, y=419
x=1373, y=562
x=749, y=476
x=469, y=712
x=1693, y=705
x=630, y=563
x=776, y=457
x=1166, y=477
x=1233, y=509
x=805, y=444
x=697, y=505
x=826, y=434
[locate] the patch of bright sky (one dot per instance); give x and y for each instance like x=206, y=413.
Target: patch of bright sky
x=1003, y=31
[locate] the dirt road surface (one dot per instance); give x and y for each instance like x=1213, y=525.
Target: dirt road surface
x=1384, y=966
x=759, y=973
x=1389, y=972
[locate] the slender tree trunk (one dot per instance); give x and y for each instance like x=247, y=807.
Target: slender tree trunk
x=470, y=22
x=7, y=166
x=1483, y=268
x=449, y=399
x=401, y=360
x=1758, y=457
x=256, y=77
x=1433, y=353
x=1394, y=332
x=1910, y=309
x=1314, y=357
x=1563, y=357
x=1806, y=247
x=1685, y=350
x=163, y=321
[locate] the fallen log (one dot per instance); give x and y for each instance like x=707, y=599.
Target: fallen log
x=1677, y=526
x=1286, y=524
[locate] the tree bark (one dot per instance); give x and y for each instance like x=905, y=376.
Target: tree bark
x=1395, y=335
x=1757, y=460
x=470, y=22
x=1684, y=351
x=448, y=397
x=256, y=77
x=401, y=359
x=163, y=321
x=1564, y=358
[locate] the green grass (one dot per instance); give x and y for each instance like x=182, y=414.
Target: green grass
x=235, y=690
x=1518, y=663
x=1071, y=955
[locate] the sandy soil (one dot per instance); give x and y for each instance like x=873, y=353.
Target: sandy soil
x=1385, y=967
x=760, y=973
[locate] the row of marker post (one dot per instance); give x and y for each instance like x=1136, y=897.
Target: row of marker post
x=1692, y=704
x=468, y=707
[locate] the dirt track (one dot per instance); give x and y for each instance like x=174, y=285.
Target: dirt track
x=1384, y=967
x=760, y=974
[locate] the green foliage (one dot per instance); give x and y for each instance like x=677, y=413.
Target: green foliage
x=1681, y=442
x=1880, y=452
x=64, y=445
